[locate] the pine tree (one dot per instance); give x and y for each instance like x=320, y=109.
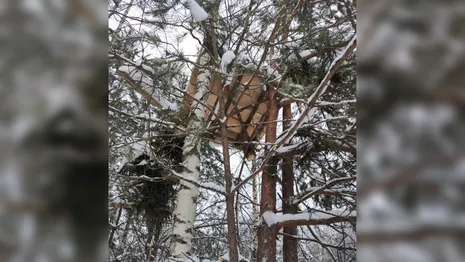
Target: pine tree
x=152, y=59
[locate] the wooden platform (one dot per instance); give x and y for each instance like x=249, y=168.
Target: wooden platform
x=246, y=108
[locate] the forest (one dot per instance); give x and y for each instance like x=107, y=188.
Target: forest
x=232, y=130
x=227, y=130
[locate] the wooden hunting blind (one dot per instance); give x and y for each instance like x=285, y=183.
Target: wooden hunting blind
x=245, y=100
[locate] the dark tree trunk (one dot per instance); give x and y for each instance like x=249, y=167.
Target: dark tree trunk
x=267, y=235
x=289, y=243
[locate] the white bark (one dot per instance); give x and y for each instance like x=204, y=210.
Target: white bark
x=186, y=202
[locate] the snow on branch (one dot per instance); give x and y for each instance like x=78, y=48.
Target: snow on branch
x=148, y=119
x=198, y=13
x=139, y=65
x=214, y=186
x=308, y=218
x=226, y=59
x=210, y=186
x=137, y=73
x=289, y=148
x=316, y=190
x=325, y=103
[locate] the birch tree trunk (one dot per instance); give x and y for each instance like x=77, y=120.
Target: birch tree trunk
x=186, y=202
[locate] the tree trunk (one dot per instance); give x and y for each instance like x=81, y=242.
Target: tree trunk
x=289, y=243
x=267, y=235
x=186, y=202
x=231, y=220
x=255, y=214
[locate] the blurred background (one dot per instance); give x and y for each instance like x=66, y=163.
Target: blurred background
x=53, y=130
x=410, y=99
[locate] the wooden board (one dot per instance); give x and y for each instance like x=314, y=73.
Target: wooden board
x=243, y=102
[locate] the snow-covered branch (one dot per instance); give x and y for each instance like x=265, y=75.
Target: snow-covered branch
x=149, y=119
x=316, y=190
x=307, y=218
x=325, y=103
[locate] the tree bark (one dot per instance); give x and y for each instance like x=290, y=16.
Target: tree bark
x=231, y=220
x=255, y=214
x=289, y=243
x=267, y=235
x=186, y=202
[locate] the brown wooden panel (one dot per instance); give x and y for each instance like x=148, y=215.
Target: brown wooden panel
x=231, y=137
x=262, y=108
x=247, y=100
x=212, y=99
x=250, y=130
x=256, y=81
x=253, y=91
x=234, y=125
x=247, y=105
x=214, y=89
x=211, y=102
x=256, y=118
x=245, y=113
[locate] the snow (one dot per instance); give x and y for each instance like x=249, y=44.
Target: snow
x=291, y=44
x=167, y=104
x=285, y=149
x=271, y=218
x=136, y=75
x=214, y=186
x=305, y=53
x=216, y=109
x=311, y=112
x=229, y=79
x=143, y=162
x=240, y=257
x=312, y=190
x=198, y=13
x=325, y=103
x=122, y=163
x=146, y=81
x=250, y=66
x=226, y=59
